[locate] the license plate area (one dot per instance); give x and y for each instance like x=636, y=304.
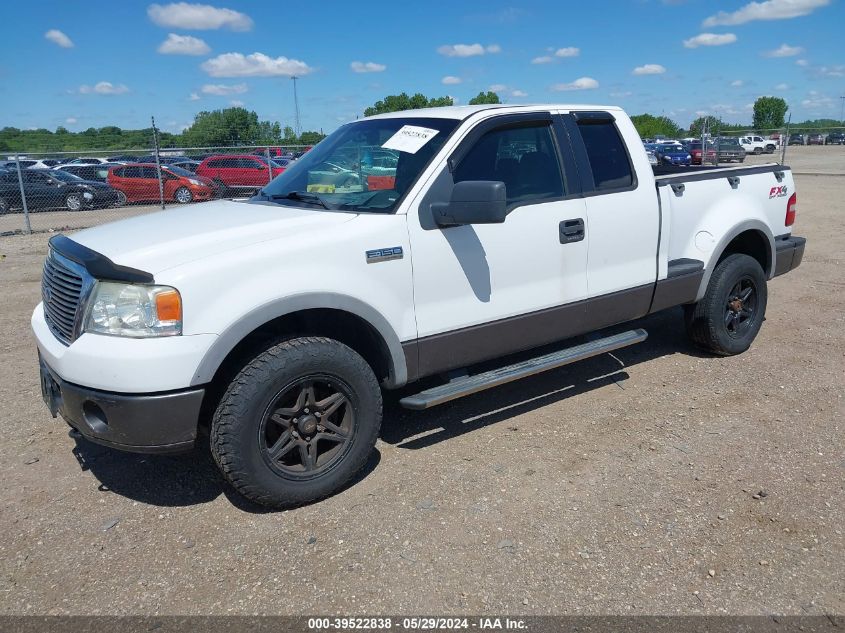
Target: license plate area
x=50, y=390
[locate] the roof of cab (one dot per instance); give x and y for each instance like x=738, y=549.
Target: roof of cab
x=464, y=111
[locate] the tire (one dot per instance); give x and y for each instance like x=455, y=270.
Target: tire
x=758, y=151
x=770, y=149
x=729, y=316
x=183, y=195
x=121, y=199
x=74, y=202
x=269, y=422
x=5, y=207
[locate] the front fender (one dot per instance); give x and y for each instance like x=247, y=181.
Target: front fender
x=257, y=317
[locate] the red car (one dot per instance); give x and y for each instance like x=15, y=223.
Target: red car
x=138, y=182
x=239, y=171
x=695, y=153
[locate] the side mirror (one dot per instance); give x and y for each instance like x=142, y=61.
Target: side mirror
x=473, y=202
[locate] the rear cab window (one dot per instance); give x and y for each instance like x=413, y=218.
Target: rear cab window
x=607, y=155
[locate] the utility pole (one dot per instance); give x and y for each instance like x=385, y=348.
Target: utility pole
x=842, y=112
x=158, y=162
x=297, y=126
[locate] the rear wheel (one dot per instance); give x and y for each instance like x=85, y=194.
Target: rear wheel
x=4, y=206
x=297, y=422
x=731, y=312
x=183, y=195
x=73, y=201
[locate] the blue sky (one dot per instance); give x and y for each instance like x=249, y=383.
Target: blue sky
x=117, y=63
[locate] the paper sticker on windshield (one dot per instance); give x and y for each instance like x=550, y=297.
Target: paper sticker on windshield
x=410, y=138
x=320, y=188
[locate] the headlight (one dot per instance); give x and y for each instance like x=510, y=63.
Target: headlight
x=134, y=310
x=196, y=183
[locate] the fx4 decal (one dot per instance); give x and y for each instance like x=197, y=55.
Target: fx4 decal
x=778, y=192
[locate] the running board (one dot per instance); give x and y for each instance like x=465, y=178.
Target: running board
x=465, y=386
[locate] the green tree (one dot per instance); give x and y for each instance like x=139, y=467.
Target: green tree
x=709, y=124
x=769, y=113
x=310, y=138
x=230, y=126
x=396, y=103
x=649, y=126
x=485, y=97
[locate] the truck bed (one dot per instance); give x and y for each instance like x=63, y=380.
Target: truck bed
x=682, y=173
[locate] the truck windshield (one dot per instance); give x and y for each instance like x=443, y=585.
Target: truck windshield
x=365, y=166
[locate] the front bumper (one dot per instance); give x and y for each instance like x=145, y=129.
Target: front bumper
x=789, y=251
x=140, y=423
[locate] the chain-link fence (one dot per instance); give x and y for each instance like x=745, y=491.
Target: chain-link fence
x=65, y=190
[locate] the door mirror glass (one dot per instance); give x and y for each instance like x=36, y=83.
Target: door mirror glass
x=473, y=202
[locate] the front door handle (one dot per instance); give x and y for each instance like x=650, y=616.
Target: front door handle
x=571, y=230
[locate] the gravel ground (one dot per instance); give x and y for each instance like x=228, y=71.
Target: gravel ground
x=652, y=481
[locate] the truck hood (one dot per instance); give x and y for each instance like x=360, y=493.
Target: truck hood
x=158, y=241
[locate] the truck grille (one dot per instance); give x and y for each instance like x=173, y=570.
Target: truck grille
x=61, y=289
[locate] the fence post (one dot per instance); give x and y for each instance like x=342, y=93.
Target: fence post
x=23, y=195
x=784, y=140
x=269, y=165
x=158, y=164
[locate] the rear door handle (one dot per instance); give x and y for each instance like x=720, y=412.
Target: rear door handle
x=571, y=230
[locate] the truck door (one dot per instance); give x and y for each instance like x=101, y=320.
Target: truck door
x=623, y=217
x=485, y=290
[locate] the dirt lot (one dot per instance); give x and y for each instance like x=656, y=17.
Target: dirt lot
x=625, y=484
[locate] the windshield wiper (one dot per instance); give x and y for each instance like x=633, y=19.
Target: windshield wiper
x=302, y=196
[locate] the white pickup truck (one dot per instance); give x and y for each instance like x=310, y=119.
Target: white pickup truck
x=274, y=324
x=758, y=145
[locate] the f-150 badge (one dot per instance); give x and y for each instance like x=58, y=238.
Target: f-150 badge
x=384, y=254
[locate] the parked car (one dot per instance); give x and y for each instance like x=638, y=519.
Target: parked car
x=88, y=172
x=696, y=153
x=652, y=159
x=238, y=171
x=122, y=159
x=26, y=163
x=815, y=139
x=47, y=188
x=139, y=183
x=274, y=327
x=796, y=139
x=87, y=160
x=758, y=145
x=835, y=138
x=729, y=150
x=673, y=155
x=190, y=165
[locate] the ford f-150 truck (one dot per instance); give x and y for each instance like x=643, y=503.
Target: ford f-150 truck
x=273, y=324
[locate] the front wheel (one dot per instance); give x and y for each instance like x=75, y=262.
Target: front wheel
x=73, y=201
x=121, y=198
x=731, y=312
x=758, y=151
x=297, y=422
x=184, y=195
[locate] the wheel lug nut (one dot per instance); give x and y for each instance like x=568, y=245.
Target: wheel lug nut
x=306, y=410
x=318, y=414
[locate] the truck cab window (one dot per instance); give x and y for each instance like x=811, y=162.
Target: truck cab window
x=607, y=155
x=524, y=158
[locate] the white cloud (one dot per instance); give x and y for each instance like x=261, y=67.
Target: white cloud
x=255, y=65
x=497, y=88
x=782, y=87
x=568, y=51
x=649, y=69
x=784, y=50
x=183, y=45
x=222, y=90
x=71, y=120
x=737, y=83
x=197, y=17
x=467, y=50
x=103, y=88
x=817, y=103
x=768, y=10
x=236, y=103
x=59, y=38
x=194, y=97
x=519, y=93
x=449, y=80
x=582, y=83
x=543, y=59
x=710, y=39
x=802, y=62
x=618, y=95
x=367, y=67
x=831, y=71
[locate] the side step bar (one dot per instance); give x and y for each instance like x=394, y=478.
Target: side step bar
x=465, y=386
